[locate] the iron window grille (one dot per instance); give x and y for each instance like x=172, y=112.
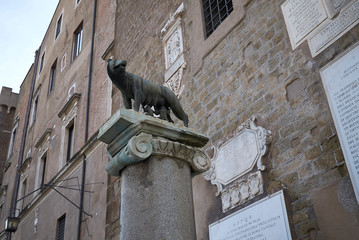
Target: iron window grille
x=61, y=228
x=214, y=13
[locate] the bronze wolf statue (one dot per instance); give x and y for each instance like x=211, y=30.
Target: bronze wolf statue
x=145, y=93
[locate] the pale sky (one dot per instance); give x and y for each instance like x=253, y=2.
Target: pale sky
x=23, y=24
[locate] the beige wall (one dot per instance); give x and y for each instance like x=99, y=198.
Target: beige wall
x=47, y=206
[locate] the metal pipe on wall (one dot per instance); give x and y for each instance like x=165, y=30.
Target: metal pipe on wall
x=23, y=140
x=87, y=121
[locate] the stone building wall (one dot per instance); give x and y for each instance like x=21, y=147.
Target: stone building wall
x=249, y=69
x=8, y=103
x=254, y=71
x=48, y=134
x=245, y=68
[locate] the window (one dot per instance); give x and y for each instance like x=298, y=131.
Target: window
x=63, y=62
x=60, y=233
x=70, y=141
x=42, y=62
x=12, y=139
x=77, y=41
x=35, y=104
x=43, y=170
x=23, y=193
x=20, y=203
x=58, y=26
x=214, y=13
x=52, y=76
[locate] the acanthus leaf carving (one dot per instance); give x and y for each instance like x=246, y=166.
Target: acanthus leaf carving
x=141, y=147
x=242, y=191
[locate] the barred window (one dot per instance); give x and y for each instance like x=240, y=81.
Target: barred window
x=60, y=235
x=214, y=12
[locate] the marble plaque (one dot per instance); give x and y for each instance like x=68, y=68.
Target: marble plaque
x=243, y=147
x=233, y=164
x=333, y=7
x=334, y=29
x=264, y=220
x=301, y=17
x=341, y=82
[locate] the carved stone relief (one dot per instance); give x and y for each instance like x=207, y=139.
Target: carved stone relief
x=173, y=49
x=174, y=82
x=44, y=142
x=242, y=190
x=233, y=163
x=3, y=192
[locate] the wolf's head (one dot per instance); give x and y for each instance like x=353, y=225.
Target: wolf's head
x=116, y=66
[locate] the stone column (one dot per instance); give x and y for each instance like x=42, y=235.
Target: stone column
x=155, y=160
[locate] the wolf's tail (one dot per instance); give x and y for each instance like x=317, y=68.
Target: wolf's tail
x=175, y=105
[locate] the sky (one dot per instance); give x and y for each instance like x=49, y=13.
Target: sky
x=23, y=24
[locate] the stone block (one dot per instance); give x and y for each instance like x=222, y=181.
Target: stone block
x=325, y=162
x=312, y=153
x=300, y=217
x=330, y=144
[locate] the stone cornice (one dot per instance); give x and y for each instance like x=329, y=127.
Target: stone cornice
x=43, y=137
x=67, y=107
x=133, y=137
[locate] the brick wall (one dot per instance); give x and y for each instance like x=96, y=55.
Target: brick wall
x=251, y=71
x=8, y=102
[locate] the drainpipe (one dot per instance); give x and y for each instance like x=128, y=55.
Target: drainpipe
x=23, y=141
x=87, y=120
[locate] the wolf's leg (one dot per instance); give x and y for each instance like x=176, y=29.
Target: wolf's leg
x=138, y=96
x=169, y=116
x=163, y=113
x=127, y=102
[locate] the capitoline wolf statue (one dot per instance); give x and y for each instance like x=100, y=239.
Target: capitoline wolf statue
x=155, y=99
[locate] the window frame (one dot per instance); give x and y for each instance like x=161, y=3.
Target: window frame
x=35, y=105
x=215, y=12
x=63, y=62
x=77, y=41
x=23, y=193
x=61, y=223
x=42, y=62
x=58, y=26
x=70, y=140
x=12, y=139
x=43, y=162
x=53, y=72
